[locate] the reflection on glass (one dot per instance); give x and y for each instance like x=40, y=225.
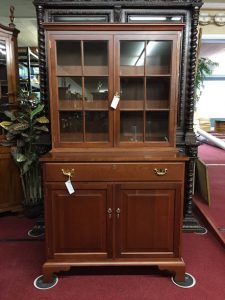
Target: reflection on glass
x=154, y=18
x=132, y=53
x=80, y=18
x=96, y=126
x=131, y=126
x=158, y=92
x=158, y=57
x=3, y=73
x=96, y=88
x=71, y=126
x=157, y=126
x=132, y=88
x=95, y=53
x=68, y=53
x=70, y=88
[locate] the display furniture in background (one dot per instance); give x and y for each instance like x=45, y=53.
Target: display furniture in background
x=10, y=185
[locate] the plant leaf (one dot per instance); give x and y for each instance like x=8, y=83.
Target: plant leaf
x=42, y=120
x=5, y=124
x=37, y=110
x=26, y=166
x=20, y=126
x=19, y=157
x=10, y=114
x=42, y=128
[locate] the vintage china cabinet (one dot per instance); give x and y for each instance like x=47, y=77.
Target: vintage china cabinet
x=10, y=185
x=120, y=90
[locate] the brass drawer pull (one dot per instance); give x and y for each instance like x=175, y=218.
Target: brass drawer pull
x=109, y=212
x=118, y=211
x=68, y=172
x=160, y=172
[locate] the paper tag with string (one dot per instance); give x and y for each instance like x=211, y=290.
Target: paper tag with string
x=69, y=186
x=115, y=101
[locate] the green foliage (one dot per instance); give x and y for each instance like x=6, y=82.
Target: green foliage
x=23, y=128
x=204, y=69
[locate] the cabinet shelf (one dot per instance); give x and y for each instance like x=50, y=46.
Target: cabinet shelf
x=79, y=105
x=79, y=71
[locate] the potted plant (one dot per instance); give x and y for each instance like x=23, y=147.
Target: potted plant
x=24, y=125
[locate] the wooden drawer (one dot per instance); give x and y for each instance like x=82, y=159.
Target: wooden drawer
x=115, y=171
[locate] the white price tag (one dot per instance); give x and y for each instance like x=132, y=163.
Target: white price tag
x=115, y=101
x=69, y=186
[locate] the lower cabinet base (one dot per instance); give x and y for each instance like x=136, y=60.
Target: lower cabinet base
x=175, y=266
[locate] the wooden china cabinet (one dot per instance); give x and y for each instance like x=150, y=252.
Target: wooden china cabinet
x=114, y=180
x=10, y=185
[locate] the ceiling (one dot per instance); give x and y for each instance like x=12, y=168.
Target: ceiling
x=26, y=19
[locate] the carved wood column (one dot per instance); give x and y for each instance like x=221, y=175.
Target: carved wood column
x=190, y=223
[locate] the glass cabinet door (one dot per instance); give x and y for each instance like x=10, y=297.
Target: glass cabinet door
x=3, y=79
x=89, y=71
x=83, y=84
x=3, y=73
x=144, y=80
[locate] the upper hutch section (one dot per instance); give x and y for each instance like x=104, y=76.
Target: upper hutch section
x=113, y=85
x=140, y=54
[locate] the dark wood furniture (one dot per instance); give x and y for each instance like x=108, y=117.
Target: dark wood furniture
x=131, y=164
x=10, y=186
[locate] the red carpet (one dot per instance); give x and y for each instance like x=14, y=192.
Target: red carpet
x=19, y=226
x=211, y=155
x=214, y=158
x=21, y=263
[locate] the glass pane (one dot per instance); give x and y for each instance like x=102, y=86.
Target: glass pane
x=81, y=18
x=68, y=56
x=96, y=92
x=158, y=57
x=157, y=126
x=95, y=53
x=70, y=92
x=3, y=73
x=71, y=126
x=95, y=58
x=132, y=56
x=132, y=88
x=154, y=18
x=96, y=126
x=131, y=126
x=96, y=88
x=158, y=92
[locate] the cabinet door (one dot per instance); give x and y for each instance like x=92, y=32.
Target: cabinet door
x=78, y=225
x=82, y=85
x=148, y=220
x=146, y=80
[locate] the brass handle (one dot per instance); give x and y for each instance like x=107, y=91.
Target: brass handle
x=109, y=211
x=68, y=172
x=118, y=211
x=160, y=172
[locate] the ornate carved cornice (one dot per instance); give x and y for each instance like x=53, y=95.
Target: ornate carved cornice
x=120, y=2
